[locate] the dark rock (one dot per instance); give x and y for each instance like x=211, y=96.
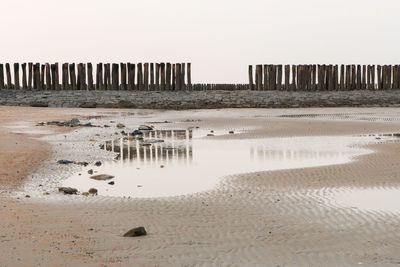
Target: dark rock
x=64, y=161
x=74, y=122
x=98, y=163
x=93, y=191
x=145, y=128
x=101, y=177
x=106, y=126
x=138, y=231
x=124, y=133
x=111, y=183
x=68, y=190
x=137, y=132
x=90, y=172
x=210, y=134
x=89, y=124
x=231, y=132
x=120, y=126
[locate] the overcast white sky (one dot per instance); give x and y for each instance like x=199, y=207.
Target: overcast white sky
x=220, y=37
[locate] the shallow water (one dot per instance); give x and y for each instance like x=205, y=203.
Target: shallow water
x=185, y=164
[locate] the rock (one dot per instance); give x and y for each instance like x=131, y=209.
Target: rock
x=68, y=190
x=98, y=163
x=93, y=191
x=210, y=134
x=46, y=193
x=101, y=177
x=86, y=194
x=64, y=161
x=111, y=183
x=106, y=126
x=90, y=172
x=27, y=196
x=231, y=132
x=124, y=133
x=138, y=231
x=83, y=163
x=137, y=132
x=74, y=122
x=120, y=126
x=145, y=128
x=162, y=166
x=89, y=124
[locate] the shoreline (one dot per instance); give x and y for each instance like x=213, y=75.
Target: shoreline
x=240, y=222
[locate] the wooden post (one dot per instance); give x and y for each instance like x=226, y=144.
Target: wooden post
x=353, y=77
x=266, y=77
x=314, y=77
x=294, y=71
x=173, y=77
x=258, y=77
x=183, y=69
x=16, y=76
x=48, y=79
x=57, y=76
x=162, y=70
x=369, y=77
x=107, y=76
x=90, y=76
x=379, y=76
x=30, y=75
x=168, y=79
x=146, y=76
x=131, y=76
x=359, y=80
x=342, y=87
x=157, y=76
x=335, y=77
x=251, y=86
x=34, y=84
x=139, y=76
x=8, y=74
x=24, y=81
x=364, y=77
x=189, y=75
x=53, y=76
x=299, y=77
x=79, y=79
x=123, y=76
x=329, y=77
x=37, y=75
x=178, y=76
x=389, y=79
x=115, y=77
x=42, y=80
x=1, y=76
x=373, y=76
x=99, y=77
x=152, y=76
x=279, y=77
x=72, y=76
x=287, y=77
x=394, y=81
x=348, y=77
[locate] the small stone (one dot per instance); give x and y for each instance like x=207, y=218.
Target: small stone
x=86, y=194
x=210, y=135
x=90, y=172
x=68, y=190
x=93, y=191
x=64, y=161
x=101, y=177
x=145, y=128
x=120, y=126
x=27, y=196
x=138, y=231
x=46, y=193
x=111, y=183
x=136, y=132
x=83, y=163
x=98, y=163
x=162, y=166
x=106, y=126
x=231, y=132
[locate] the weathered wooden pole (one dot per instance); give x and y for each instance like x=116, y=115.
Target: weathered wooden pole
x=34, y=84
x=294, y=71
x=72, y=76
x=152, y=76
x=64, y=76
x=348, y=77
x=183, y=70
x=1, y=76
x=373, y=76
x=353, y=77
x=330, y=77
x=79, y=79
x=57, y=77
x=279, y=77
x=48, y=79
x=189, y=75
x=342, y=87
x=90, y=76
x=107, y=76
x=173, y=76
x=178, y=76
x=390, y=76
x=364, y=77
x=146, y=76
x=258, y=77
x=8, y=74
x=251, y=86
x=139, y=76
x=131, y=76
x=115, y=77
x=162, y=70
x=287, y=77
x=16, y=76
x=157, y=76
x=335, y=77
x=24, y=81
x=53, y=76
x=123, y=76
x=37, y=74
x=168, y=78
x=394, y=81
x=379, y=76
x=99, y=77
x=314, y=77
x=30, y=75
x=358, y=82
x=42, y=78
x=369, y=77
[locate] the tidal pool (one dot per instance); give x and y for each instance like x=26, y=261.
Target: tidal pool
x=190, y=162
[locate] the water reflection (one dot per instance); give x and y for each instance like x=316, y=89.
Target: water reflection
x=184, y=164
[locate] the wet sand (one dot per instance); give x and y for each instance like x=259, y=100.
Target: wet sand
x=265, y=218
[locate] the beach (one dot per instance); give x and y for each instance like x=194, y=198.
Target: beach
x=264, y=218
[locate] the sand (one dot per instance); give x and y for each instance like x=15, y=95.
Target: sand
x=284, y=218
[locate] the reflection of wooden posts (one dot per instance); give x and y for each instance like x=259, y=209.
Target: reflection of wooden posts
x=115, y=77
x=1, y=76
x=42, y=81
x=379, y=76
x=183, y=68
x=8, y=74
x=99, y=77
x=152, y=76
x=146, y=76
x=24, y=81
x=131, y=76
x=30, y=75
x=279, y=77
x=123, y=76
x=294, y=71
x=16, y=76
x=287, y=77
x=364, y=77
x=168, y=78
x=258, y=77
x=189, y=75
x=173, y=77
x=47, y=76
x=72, y=76
x=342, y=77
x=251, y=86
x=162, y=70
x=90, y=76
x=139, y=76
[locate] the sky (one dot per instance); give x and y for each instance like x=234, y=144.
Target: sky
x=219, y=37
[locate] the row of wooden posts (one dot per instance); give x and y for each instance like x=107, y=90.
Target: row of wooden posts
x=123, y=76
x=324, y=77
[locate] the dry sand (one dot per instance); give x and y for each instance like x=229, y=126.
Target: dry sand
x=275, y=218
